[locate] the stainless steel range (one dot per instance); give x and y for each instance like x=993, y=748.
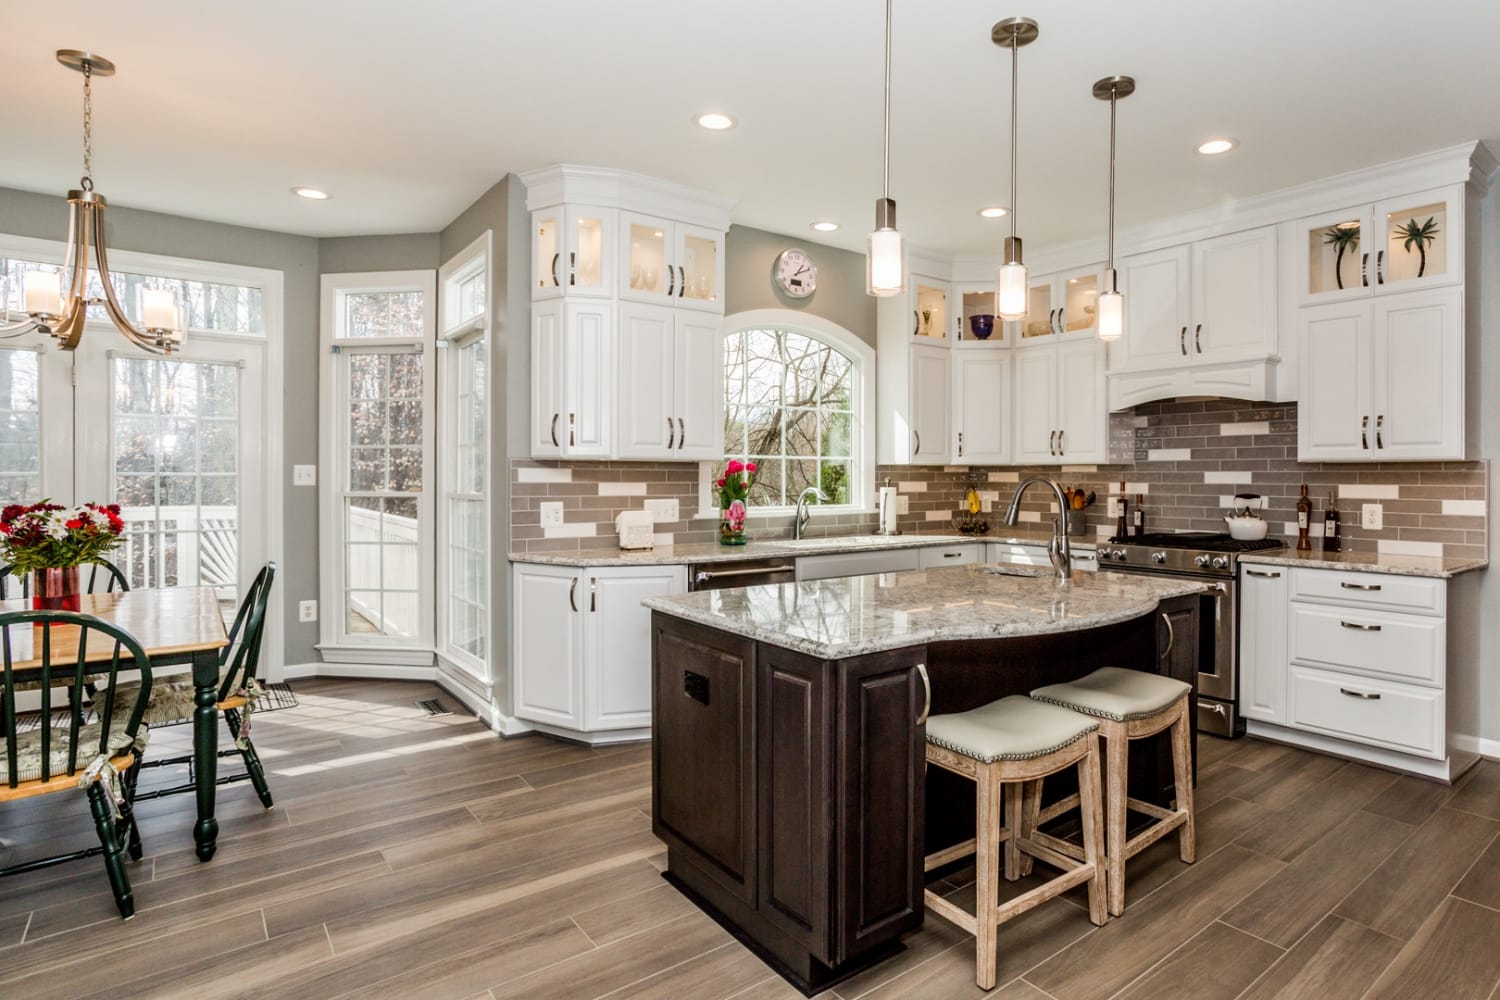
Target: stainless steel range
x=1213, y=558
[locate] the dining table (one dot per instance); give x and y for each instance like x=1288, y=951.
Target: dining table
x=175, y=626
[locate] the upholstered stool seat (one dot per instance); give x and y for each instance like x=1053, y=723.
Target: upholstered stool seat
x=1009, y=745
x=1130, y=705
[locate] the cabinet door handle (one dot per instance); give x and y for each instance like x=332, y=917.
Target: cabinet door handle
x=918, y=435
x=1379, y=267
x=593, y=594
x=1358, y=586
x=554, y=269
x=681, y=281
x=1262, y=573
x=681, y=433
x=1052, y=443
x=916, y=323
x=555, y=443
x=1363, y=695
x=1356, y=626
x=1364, y=273
x=1364, y=433
x=1379, y=424
x=573, y=590
x=1171, y=635
x=1182, y=341
x=927, y=694
x=1062, y=449
x=1057, y=321
x=671, y=280
x=671, y=435
x=572, y=437
x=960, y=444
x=572, y=268
x=1198, y=338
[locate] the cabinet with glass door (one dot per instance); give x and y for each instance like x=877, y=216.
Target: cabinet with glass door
x=571, y=251
x=1060, y=303
x=668, y=262
x=1392, y=246
x=977, y=324
x=932, y=319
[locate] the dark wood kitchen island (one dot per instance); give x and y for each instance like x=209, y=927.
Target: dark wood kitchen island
x=789, y=779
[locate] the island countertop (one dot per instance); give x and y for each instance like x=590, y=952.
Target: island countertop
x=852, y=616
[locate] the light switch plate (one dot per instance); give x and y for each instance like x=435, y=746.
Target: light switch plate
x=307, y=611
x=1371, y=516
x=552, y=514
x=304, y=475
x=662, y=511
x=903, y=504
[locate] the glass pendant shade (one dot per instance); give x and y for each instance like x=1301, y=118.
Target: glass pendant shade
x=885, y=263
x=41, y=293
x=1111, y=315
x=1010, y=303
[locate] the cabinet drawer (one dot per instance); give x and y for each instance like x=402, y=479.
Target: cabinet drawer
x=857, y=564
x=1418, y=595
x=938, y=556
x=1409, y=719
x=1404, y=647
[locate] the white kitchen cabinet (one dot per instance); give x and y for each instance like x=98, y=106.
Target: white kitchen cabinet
x=582, y=647
x=1036, y=405
x=943, y=556
x=1060, y=403
x=572, y=378
x=975, y=305
x=572, y=251
x=668, y=262
x=1235, y=305
x=1363, y=252
x=1158, y=294
x=981, y=407
x=1263, y=643
x=930, y=405
x=1383, y=380
x=933, y=318
x=670, y=384
x=1060, y=303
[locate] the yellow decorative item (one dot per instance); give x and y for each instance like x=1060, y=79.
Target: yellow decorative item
x=973, y=500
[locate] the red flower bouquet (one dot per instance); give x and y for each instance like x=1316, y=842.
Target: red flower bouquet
x=731, y=490
x=50, y=536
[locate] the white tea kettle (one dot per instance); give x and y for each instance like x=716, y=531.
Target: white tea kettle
x=1245, y=525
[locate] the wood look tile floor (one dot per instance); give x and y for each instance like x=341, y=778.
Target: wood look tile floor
x=413, y=856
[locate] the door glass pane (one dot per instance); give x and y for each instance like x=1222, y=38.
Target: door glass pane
x=545, y=243
x=1039, y=306
x=699, y=273
x=1333, y=255
x=175, y=434
x=586, y=259
x=979, y=316
x=648, y=258
x=931, y=315
x=20, y=436
x=1081, y=302
x=1416, y=243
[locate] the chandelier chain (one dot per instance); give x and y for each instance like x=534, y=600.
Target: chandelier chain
x=87, y=182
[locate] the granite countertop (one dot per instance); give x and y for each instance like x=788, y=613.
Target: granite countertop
x=1368, y=562
x=709, y=552
x=851, y=616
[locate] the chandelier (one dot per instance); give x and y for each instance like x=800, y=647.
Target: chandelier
x=58, y=303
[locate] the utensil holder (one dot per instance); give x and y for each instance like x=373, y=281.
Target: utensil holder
x=1076, y=525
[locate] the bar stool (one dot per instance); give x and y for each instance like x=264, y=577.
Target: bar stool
x=1009, y=744
x=1130, y=705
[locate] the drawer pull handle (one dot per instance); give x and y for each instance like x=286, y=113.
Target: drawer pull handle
x=1262, y=573
x=1358, y=586
x=1363, y=695
x=927, y=689
x=1360, y=628
x=951, y=555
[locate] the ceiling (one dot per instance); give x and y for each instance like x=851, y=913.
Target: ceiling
x=407, y=112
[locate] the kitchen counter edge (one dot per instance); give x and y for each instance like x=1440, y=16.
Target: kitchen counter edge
x=1437, y=567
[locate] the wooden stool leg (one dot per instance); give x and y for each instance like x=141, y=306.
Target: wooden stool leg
x=1090, y=791
x=1116, y=784
x=1015, y=817
x=1182, y=775
x=1031, y=806
x=987, y=878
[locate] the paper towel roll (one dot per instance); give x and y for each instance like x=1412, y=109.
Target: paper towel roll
x=888, y=510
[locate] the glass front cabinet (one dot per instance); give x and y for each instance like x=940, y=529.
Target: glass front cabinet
x=570, y=251
x=978, y=323
x=1396, y=245
x=1060, y=303
x=930, y=312
x=671, y=263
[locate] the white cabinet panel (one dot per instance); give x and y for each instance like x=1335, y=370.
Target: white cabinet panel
x=617, y=642
x=1401, y=647
x=1419, y=375
x=647, y=349
x=547, y=643
x=547, y=405
x=1263, y=643
x=588, y=378
x=1234, y=297
x=699, y=374
x=1036, y=405
x=1335, y=358
x=1082, y=420
x=981, y=407
x=958, y=554
x=1381, y=591
x=857, y=564
x=930, y=404
x=1398, y=716
x=1158, y=310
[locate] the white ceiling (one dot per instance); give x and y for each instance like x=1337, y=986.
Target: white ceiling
x=408, y=111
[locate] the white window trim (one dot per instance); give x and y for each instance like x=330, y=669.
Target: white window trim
x=332, y=447
x=478, y=254
x=863, y=406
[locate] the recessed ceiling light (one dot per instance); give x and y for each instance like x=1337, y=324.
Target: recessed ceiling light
x=716, y=121
x=310, y=193
x=1214, y=147
x=825, y=227
x=993, y=212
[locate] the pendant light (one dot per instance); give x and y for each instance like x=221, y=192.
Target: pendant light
x=1111, y=302
x=885, y=254
x=1010, y=300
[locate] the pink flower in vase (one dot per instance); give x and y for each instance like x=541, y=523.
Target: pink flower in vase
x=735, y=514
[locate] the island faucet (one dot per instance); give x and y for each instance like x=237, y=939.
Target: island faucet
x=1057, y=549
x=799, y=523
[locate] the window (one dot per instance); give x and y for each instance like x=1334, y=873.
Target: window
x=20, y=428
x=794, y=404
x=377, y=563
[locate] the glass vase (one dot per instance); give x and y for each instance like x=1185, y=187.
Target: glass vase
x=55, y=588
x=731, y=530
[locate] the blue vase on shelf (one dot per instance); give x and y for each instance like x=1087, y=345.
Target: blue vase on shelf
x=982, y=325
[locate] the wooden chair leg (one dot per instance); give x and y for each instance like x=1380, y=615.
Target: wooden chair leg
x=1090, y=791
x=1116, y=783
x=987, y=880
x=1182, y=775
x=1031, y=805
x=251, y=758
x=114, y=865
x=1014, y=818
x=129, y=826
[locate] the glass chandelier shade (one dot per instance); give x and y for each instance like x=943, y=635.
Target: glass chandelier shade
x=1012, y=282
x=1111, y=303
x=885, y=251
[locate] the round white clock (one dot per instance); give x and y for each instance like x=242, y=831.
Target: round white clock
x=796, y=273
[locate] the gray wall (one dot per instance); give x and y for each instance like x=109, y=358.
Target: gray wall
x=750, y=255
x=1489, y=448
x=46, y=217
x=354, y=254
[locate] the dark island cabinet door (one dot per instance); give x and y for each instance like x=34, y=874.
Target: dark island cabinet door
x=703, y=750
x=881, y=765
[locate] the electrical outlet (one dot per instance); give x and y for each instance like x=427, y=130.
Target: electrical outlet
x=304, y=475
x=1371, y=516
x=552, y=514
x=662, y=511
x=307, y=611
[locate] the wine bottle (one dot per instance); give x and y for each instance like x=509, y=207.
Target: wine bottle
x=1304, y=522
x=1122, y=525
x=1331, y=527
x=1139, y=517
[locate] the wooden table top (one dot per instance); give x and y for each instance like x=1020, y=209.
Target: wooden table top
x=174, y=620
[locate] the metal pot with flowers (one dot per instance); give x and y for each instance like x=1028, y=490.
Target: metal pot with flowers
x=50, y=542
x=731, y=490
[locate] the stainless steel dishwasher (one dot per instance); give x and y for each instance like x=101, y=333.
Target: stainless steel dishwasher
x=741, y=573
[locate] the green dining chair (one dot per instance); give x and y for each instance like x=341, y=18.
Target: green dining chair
x=173, y=701
x=103, y=757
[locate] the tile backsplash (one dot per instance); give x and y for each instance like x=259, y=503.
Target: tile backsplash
x=1187, y=460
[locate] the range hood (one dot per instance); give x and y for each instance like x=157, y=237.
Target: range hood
x=1253, y=381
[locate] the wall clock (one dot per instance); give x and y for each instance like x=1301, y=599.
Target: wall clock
x=796, y=273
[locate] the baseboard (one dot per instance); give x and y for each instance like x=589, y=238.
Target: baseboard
x=1445, y=770
x=367, y=671
x=1477, y=744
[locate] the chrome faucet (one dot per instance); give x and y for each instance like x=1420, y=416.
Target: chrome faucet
x=1057, y=549
x=799, y=524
